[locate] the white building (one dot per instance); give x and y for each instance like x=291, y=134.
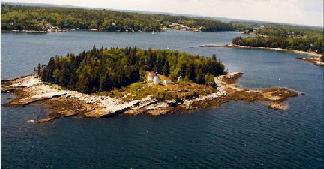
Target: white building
x=180, y=78
x=167, y=81
x=150, y=77
x=156, y=80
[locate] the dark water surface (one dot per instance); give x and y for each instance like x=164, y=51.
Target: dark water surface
x=236, y=135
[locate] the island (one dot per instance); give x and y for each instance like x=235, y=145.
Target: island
x=105, y=82
x=296, y=40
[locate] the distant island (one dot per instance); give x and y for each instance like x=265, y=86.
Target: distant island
x=104, y=82
x=290, y=39
x=21, y=18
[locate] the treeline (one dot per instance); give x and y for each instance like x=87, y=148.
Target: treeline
x=243, y=25
x=304, y=40
x=289, y=31
x=104, y=69
x=212, y=25
x=15, y=17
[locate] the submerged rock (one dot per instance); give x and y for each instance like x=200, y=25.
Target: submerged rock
x=278, y=106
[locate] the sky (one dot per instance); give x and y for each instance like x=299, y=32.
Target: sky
x=304, y=12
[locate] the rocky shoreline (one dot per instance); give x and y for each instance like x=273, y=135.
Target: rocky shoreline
x=276, y=49
x=65, y=103
x=313, y=59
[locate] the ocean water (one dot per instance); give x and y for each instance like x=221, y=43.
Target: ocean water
x=235, y=135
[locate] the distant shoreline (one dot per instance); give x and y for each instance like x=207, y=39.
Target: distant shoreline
x=275, y=49
x=96, y=30
x=68, y=30
x=266, y=48
x=314, y=57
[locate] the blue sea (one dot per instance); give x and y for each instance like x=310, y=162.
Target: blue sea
x=235, y=135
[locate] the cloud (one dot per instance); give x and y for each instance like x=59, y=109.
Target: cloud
x=306, y=12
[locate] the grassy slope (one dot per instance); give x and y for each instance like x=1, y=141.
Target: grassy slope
x=176, y=90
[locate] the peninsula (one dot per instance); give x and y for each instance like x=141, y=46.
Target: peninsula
x=105, y=82
x=300, y=41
